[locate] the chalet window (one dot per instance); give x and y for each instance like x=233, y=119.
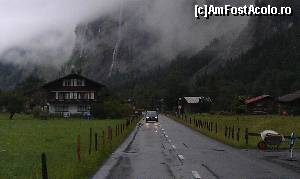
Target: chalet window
x=92, y=95
x=75, y=95
x=71, y=95
x=67, y=96
x=74, y=82
x=79, y=95
x=61, y=108
x=56, y=95
x=80, y=82
x=83, y=108
x=67, y=83
x=60, y=95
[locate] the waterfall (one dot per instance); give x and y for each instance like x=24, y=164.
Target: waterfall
x=117, y=45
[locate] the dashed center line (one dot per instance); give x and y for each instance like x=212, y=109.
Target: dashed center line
x=185, y=145
x=196, y=175
x=181, y=157
x=174, y=147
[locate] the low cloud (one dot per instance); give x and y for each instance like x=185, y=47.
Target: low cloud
x=38, y=31
x=44, y=29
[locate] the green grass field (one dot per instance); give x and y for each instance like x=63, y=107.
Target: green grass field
x=23, y=140
x=255, y=124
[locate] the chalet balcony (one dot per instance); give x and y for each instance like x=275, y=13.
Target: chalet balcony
x=71, y=100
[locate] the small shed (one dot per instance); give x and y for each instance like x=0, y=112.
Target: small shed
x=290, y=103
x=197, y=104
x=263, y=104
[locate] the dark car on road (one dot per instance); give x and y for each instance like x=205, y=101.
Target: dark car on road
x=151, y=116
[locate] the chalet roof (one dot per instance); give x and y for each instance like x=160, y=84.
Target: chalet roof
x=70, y=76
x=290, y=97
x=195, y=100
x=257, y=98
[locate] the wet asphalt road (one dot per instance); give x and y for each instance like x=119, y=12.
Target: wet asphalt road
x=170, y=150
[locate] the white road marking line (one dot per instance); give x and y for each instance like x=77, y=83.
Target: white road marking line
x=181, y=157
x=169, y=141
x=174, y=147
x=196, y=175
x=166, y=136
x=162, y=129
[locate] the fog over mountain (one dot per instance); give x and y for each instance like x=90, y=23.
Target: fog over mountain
x=143, y=34
x=37, y=31
x=105, y=38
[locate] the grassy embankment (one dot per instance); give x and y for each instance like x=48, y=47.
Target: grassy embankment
x=255, y=124
x=24, y=139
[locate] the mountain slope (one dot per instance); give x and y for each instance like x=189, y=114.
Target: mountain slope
x=145, y=34
x=268, y=63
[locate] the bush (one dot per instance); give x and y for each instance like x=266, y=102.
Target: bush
x=111, y=108
x=39, y=113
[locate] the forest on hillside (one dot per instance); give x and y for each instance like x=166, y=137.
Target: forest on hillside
x=269, y=67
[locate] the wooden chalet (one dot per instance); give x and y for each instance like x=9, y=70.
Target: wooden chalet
x=72, y=94
x=290, y=103
x=196, y=104
x=263, y=104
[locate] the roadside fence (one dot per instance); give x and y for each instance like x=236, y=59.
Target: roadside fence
x=99, y=142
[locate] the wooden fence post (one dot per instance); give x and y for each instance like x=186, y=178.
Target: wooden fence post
x=116, y=130
x=103, y=139
x=78, y=148
x=232, y=133
x=225, y=131
x=44, y=166
x=229, y=130
x=216, y=127
x=246, y=135
x=96, y=142
x=110, y=133
x=238, y=135
x=90, y=145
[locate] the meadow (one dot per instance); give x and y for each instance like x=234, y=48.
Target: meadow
x=24, y=139
x=255, y=124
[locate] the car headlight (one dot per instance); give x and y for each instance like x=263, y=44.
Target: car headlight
x=156, y=117
x=147, y=117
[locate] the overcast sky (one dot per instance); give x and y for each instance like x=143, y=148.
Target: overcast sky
x=23, y=20
x=45, y=28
